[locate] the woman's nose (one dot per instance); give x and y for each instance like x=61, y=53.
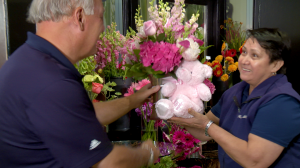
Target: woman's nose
x=244, y=59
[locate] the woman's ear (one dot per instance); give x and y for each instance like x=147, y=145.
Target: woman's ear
x=277, y=65
x=80, y=18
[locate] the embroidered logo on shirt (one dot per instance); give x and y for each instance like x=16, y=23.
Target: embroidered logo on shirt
x=240, y=116
x=94, y=144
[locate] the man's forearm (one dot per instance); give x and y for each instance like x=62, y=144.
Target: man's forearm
x=109, y=111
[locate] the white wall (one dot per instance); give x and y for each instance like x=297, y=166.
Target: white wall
x=242, y=11
x=3, y=39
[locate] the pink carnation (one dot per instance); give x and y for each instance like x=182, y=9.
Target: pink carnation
x=211, y=86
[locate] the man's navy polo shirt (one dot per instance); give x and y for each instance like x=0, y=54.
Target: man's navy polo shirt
x=46, y=117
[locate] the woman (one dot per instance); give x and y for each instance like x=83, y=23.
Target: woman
x=256, y=123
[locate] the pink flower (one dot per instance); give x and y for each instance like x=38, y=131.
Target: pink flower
x=142, y=83
x=159, y=123
x=196, y=166
x=150, y=28
x=162, y=56
x=178, y=136
x=211, y=86
x=97, y=87
x=95, y=101
x=188, y=140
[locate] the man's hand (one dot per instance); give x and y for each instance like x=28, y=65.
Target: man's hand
x=149, y=144
x=143, y=95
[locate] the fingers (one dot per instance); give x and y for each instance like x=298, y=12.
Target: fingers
x=150, y=143
x=146, y=87
x=192, y=112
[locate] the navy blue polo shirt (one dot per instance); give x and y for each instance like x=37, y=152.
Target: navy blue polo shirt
x=46, y=116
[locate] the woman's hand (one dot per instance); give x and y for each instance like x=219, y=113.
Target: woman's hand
x=198, y=121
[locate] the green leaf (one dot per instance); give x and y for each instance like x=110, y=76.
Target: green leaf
x=203, y=60
x=118, y=93
x=158, y=72
x=202, y=48
x=98, y=79
x=137, y=54
x=161, y=37
x=88, y=78
x=173, y=75
x=152, y=38
x=159, y=75
x=149, y=70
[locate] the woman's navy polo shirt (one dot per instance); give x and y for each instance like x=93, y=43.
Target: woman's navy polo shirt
x=46, y=117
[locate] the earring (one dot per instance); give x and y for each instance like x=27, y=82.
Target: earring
x=274, y=73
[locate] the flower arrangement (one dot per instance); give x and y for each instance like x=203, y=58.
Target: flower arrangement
x=163, y=42
x=224, y=65
x=235, y=36
x=224, y=71
x=92, y=81
x=109, y=48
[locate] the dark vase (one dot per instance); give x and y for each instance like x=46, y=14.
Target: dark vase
x=123, y=123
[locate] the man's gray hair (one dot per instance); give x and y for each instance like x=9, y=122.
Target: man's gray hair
x=55, y=10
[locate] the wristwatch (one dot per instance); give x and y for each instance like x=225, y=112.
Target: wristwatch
x=206, y=128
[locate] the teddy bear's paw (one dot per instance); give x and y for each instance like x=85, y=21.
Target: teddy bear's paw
x=181, y=105
x=204, y=92
x=168, y=89
x=164, y=109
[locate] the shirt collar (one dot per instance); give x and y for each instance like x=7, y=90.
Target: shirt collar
x=46, y=47
x=245, y=93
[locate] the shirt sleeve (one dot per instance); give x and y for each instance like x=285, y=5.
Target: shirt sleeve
x=65, y=120
x=216, y=109
x=278, y=120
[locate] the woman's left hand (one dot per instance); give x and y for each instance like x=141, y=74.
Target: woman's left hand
x=198, y=121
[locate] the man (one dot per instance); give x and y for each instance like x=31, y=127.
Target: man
x=47, y=119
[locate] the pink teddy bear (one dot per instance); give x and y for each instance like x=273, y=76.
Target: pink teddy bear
x=187, y=92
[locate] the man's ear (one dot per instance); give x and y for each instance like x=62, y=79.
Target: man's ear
x=80, y=18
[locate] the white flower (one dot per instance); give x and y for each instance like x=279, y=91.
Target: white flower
x=127, y=60
x=191, y=53
x=201, y=30
x=137, y=44
x=141, y=32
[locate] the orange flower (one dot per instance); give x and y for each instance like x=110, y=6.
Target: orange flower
x=236, y=64
x=222, y=26
x=240, y=49
x=241, y=23
x=224, y=77
x=219, y=58
x=232, y=68
x=230, y=60
x=223, y=46
x=209, y=64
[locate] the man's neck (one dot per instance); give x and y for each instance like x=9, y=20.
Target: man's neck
x=58, y=35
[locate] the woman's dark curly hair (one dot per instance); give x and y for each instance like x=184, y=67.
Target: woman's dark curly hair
x=275, y=42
